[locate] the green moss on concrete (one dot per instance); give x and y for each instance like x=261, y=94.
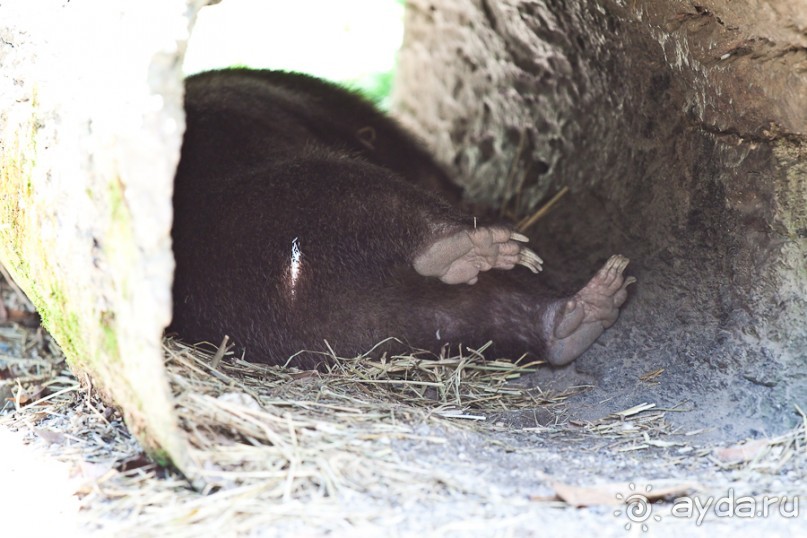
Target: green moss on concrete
x=90, y=338
x=161, y=457
x=110, y=336
x=120, y=246
x=20, y=243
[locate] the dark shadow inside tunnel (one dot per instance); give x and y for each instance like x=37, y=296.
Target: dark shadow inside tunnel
x=679, y=152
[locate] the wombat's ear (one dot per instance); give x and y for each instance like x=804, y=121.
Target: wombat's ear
x=366, y=137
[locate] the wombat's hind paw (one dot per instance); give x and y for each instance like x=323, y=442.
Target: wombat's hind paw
x=460, y=257
x=575, y=323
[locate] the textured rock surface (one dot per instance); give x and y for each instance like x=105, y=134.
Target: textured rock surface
x=90, y=129
x=681, y=131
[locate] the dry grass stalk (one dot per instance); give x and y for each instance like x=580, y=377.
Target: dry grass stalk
x=306, y=435
x=271, y=437
x=636, y=428
x=529, y=221
x=288, y=449
x=771, y=455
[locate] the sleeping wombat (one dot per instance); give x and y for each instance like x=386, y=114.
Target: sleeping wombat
x=303, y=215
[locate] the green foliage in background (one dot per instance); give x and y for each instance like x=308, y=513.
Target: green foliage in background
x=350, y=42
x=376, y=87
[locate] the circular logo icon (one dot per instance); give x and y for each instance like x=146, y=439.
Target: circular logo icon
x=638, y=508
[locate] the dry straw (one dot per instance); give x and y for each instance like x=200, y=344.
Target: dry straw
x=305, y=434
x=293, y=450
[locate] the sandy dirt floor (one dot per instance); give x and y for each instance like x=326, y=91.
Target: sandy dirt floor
x=353, y=454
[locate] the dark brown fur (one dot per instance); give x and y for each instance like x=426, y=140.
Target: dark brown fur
x=271, y=159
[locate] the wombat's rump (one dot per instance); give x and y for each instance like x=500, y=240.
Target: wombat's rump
x=302, y=215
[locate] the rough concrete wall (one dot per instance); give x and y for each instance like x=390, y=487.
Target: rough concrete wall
x=91, y=123
x=680, y=129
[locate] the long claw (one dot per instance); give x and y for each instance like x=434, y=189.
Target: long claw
x=515, y=236
x=530, y=260
x=532, y=255
x=529, y=266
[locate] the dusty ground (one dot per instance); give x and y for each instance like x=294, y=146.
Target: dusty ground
x=352, y=454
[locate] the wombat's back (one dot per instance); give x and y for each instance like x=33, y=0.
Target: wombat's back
x=237, y=118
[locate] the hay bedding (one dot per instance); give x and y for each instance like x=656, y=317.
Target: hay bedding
x=402, y=443
x=307, y=435
x=271, y=442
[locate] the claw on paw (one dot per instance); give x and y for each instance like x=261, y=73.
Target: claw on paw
x=577, y=321
x=460, y=257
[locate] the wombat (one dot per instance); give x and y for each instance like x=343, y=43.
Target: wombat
x=307, y=221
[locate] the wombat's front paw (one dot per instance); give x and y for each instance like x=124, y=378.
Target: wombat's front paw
x=460, y=257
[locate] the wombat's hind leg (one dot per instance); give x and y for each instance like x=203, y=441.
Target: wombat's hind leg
x=460, y=257
x=573, y=324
